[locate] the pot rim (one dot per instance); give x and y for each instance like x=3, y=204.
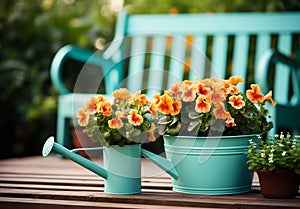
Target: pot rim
x=214, y=137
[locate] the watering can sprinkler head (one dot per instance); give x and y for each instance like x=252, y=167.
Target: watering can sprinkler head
x=50, y=146
x=47, y=148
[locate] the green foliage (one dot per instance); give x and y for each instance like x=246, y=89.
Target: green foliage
x=31, y=32
x=208, y=6
x=276, y=153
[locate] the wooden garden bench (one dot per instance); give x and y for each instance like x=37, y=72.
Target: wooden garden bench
x=151, y=52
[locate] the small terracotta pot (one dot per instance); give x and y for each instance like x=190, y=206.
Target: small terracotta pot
x=278, y=184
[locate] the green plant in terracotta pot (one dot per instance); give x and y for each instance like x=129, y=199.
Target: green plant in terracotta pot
x=277, y=163
x=206, y=126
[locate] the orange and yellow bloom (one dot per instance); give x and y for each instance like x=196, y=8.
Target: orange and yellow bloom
x=253, y=94
x=134, y=118
x=121, y=122
x=83, y=117
x=236, y=101
x=202, y=104
x=213, y=101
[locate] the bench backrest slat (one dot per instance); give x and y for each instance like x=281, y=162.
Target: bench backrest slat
x=240, y=55
x=283, y=72
x=164, y=48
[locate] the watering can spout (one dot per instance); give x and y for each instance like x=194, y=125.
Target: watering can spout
x=50, y=145
x=161, y=162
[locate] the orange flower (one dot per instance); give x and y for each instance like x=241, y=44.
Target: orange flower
x=219, y=111
x=83, y=117
x=189, y=94
x=202, y=104
x=176, y=89
x=229, y=120
x=100, y=98
x=141, y=98
x=201, y=89
x=122, y=93
x=211, y=81
x=156, y=98
x=150, y=133
x=144, y=101
x=218, y=94
x=165, y=104
x=115, y=123
x=92, y=105
x=235, y=80
x=253, y=95
x=176, y=107
x=188, y=82
x=134, y=118
x=152, y=111
x=230, y=88
x=105, y=108
x=236, y=101
x=268, y=96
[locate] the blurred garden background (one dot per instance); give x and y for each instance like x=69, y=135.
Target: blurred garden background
x=31, y=32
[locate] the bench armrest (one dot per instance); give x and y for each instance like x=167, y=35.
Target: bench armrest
x=82, y=55
x=275, y=57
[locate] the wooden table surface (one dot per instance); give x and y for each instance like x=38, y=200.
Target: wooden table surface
x=37, y=182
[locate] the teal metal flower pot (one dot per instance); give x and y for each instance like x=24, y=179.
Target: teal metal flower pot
x=210, y=165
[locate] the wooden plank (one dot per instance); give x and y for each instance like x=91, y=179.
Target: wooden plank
x=49, y=204
x=248, y=200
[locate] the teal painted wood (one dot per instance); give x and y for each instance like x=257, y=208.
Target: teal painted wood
x=157, y=61
x=240, y=55
x=198, y=58
x=224, y=23
x=283, y=72
x=177, y=60
x=218, y=59
x=131, y=47
x=286, y=113
x=263, y=43
x=136, y=65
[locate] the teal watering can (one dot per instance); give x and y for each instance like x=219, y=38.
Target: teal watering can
x=206, y=165
x=122, y=165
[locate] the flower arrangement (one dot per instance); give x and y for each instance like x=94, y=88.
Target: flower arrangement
x=125, y=121
x=275, y=153
x=212, y=107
